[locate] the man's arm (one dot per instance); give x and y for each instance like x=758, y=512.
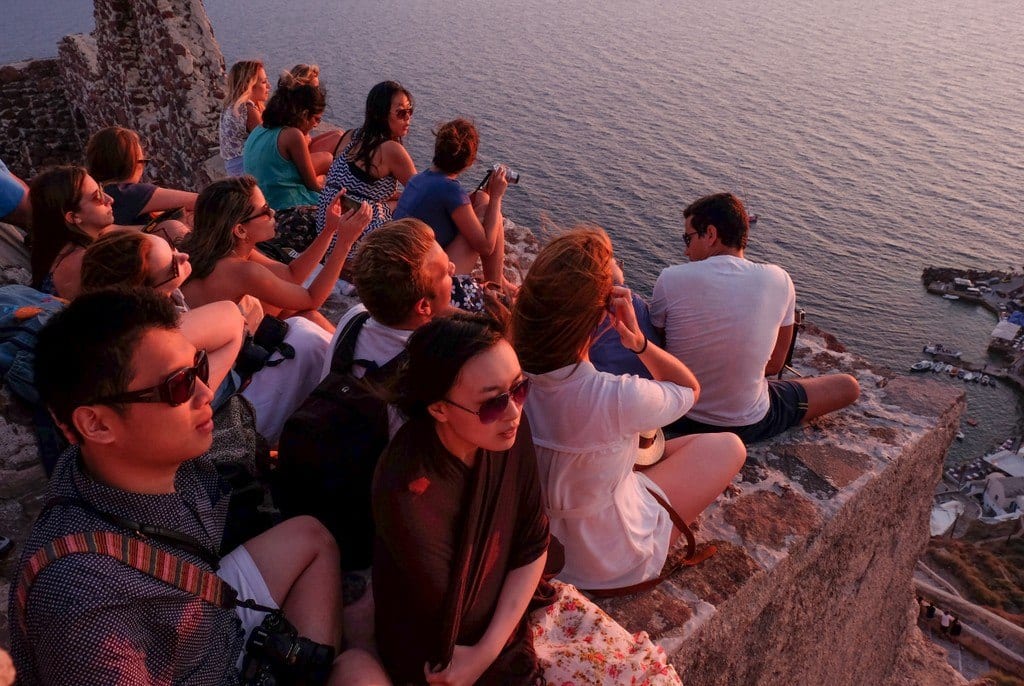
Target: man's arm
x=778, y=359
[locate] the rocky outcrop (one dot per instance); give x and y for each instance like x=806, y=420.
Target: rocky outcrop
x=37, y=125
x=812, y=582
x=153, y=66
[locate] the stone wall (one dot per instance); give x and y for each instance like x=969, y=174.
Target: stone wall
x=812, y=582
x=37, y=126
x=153, y=66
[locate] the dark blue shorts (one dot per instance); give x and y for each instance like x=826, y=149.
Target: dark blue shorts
x=787, y=407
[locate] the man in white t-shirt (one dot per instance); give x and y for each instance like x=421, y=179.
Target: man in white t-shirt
x=404, y=278
x=730, y=321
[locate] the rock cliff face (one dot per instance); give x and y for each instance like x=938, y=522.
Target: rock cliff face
x=812, y=581
x=153, y=66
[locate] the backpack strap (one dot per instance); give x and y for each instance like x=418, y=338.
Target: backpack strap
x=134, y=553
x=345, y=349
x=691, y=558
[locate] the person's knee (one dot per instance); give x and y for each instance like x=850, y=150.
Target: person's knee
x=729, y=449
x=311, y=535
x=846, y=388
x=723, y=448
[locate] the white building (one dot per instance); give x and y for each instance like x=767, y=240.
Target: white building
x=1004, y=495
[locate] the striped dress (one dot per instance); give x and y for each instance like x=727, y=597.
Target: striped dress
x=358, y=185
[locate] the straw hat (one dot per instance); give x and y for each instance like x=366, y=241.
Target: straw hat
x=651, y=448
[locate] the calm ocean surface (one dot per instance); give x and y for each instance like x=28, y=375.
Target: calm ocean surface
x=872, y=138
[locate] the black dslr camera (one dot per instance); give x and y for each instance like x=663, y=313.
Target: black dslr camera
x=275, y=655
x=258, y=348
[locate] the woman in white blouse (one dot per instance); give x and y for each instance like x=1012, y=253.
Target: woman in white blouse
x=586, y=423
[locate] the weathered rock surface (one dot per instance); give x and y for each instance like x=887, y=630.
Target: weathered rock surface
x=812, y=583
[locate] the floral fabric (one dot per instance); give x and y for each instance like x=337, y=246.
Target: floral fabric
x=577, y=643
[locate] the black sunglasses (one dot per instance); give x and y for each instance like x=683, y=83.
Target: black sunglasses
x=687, y=237
x=492, y=408
x=175, y=390
x=175, y=270
x=265, y=211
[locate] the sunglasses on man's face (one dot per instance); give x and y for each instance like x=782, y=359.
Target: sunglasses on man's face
x=176, y=389
x=492, y=408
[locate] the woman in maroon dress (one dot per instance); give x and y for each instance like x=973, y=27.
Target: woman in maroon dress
x=462, y=537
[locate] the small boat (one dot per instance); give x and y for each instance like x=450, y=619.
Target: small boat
x=948, y=368
x=961, y=374
x=972, y=421
x=940, y=349
x=970, y=376
x=985, y=380
x=959, y=435
x=953, y=371
x=938, y=366
x=921, y=366
x=950, y=296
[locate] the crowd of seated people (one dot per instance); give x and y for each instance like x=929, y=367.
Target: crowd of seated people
x=508, y=492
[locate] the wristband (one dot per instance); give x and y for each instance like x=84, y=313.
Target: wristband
x=642, y=348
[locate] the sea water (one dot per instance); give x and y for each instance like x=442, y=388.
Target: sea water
x=872, y=138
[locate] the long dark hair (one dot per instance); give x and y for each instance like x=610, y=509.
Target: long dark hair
x=376, y=129
x=437, y=352
x=219, y=207
x=53, y=193
x=291, y=99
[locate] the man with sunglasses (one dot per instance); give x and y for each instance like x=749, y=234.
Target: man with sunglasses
x=731, y=321
x=131, y=396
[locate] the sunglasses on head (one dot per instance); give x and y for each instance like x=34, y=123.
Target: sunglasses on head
x=492, y=408
x=175, y=390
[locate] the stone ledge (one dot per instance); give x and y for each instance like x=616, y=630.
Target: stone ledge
x=813, y=579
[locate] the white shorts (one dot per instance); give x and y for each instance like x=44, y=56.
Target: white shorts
x=240, y=572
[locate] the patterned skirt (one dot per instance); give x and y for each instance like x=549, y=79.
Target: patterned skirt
x=577, y=643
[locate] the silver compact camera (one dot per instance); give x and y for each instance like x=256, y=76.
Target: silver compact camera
x=511, y=175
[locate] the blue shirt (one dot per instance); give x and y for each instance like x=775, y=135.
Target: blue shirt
x=432, y=197
x=11, y=192
x=607, y=353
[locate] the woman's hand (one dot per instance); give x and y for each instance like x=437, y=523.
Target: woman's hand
x=498, y=183
x=350, y=224
x=620, y=304
x=467, y=665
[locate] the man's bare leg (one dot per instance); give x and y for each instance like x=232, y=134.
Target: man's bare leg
x=828, y=393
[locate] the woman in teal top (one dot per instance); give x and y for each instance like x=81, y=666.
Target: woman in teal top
x=277, y=152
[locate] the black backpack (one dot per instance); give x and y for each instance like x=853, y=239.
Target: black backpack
x=330, y=447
